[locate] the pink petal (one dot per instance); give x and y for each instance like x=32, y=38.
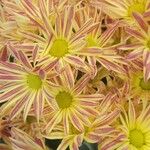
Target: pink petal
x=75, y=61
x=141, y=21
x=69, y=77
x=79, y=86
x=134, y=33
x=76, y=121
x=18, y=106
x=70, y=17
x=23, y=58
x=108, y=34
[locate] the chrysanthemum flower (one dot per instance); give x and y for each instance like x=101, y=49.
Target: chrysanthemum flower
x=139, y=87
x=70, y=104
x=99, y=128
x=141, y=47
x=58, y=42
x=23, y=86
x=123, y=9
x=98, y=47
x=135, y=129
x=22, y=141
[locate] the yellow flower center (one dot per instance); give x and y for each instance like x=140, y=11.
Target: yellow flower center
x=64, y=99
x=136, y=138
x=137, y=7
x=91, y=42
x=34, y=81
x=145, y=85
x=31, y=119
x=59, y=48
x=148, y=44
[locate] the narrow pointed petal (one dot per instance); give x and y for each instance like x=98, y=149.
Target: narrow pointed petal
x=56, y=118
x=23, y=58
x=13, y=92
x=105, y=37
x=76, y=121
x=75, y=61
x=69, y=78
x=19, y=106
x=146, y=65
x=134, y=33
x=78, y=88
x=28, y=105
x=65, y=143
x=70, y=17
x=141, y=22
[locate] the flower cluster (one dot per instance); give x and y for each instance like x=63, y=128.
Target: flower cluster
x=74, y=71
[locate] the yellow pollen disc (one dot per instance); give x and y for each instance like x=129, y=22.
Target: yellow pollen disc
x=145, y=85
x=136, y=138
x=34, y=81
x=148, y=44
x=30, y=119
x=59, y=48
x=91, y=42
x=137, y=7
x=64, y=99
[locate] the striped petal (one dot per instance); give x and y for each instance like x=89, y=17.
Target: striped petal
x=79, y=86
x=25, y=61
x=75, y=61
x=5, y=108
x=55, y=119
x=76, y=122
x=4, y=77
x=146, y=64
x=29, y=101
x=85, y=29
x=105, y=37
x=134, y=33
x=38, y=105
x=66, y=122
x=33, y=37
x=68, y=77
x=68, y=22
x=141, y=22
x=132, y=116
x=19, y=106
x=48, y=25
x=65, y=142
x=135, y=54
x=111, y=65
x=92, y=137
x=11, y=93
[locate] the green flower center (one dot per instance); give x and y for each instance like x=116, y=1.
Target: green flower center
x=136, y=138
x=137, y=7
x=91, y=42
x=34, y=81
x=59, y=48
x=145, y=85
x=64, y=99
